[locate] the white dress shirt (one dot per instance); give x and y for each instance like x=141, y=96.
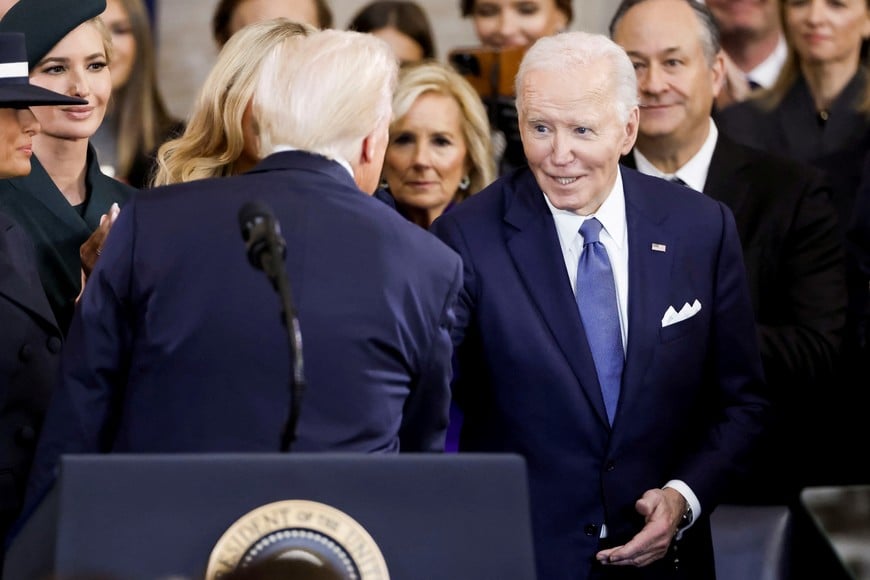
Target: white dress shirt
x=614, y=237
x=694, y=171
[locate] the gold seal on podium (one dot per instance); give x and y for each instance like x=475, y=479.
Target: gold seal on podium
x=302, y=539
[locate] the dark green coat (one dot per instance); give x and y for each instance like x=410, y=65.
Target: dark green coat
x=57, y=229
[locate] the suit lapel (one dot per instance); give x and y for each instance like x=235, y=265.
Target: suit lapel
x=21, y=286
x=41, y=187
x=649, y=280
x=725, y=181
x=537, y=255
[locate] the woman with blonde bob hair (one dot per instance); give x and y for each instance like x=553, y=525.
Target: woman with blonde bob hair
x=440, y=151
x=220, y=139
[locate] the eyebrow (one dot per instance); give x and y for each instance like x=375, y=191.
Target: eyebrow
x=65, y=60
x=667, y=51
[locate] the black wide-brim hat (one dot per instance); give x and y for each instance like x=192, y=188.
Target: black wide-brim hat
x=16, y=92
x=45, y=22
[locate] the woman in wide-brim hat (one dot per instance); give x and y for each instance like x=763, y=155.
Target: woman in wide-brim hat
x=31, y=340
x=66, y=197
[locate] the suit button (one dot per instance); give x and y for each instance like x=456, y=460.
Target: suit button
x=53, y=345
x=25, y=353
x=590, y=529
x=610, y=466
x=25, y=435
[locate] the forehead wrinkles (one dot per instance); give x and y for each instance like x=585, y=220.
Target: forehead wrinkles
x=565, y=102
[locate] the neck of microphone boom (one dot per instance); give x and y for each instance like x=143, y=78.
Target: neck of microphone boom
x=266, y=250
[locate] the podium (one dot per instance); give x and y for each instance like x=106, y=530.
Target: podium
x=451, y=516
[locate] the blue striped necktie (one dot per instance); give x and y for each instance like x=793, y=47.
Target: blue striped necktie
x=596, y=300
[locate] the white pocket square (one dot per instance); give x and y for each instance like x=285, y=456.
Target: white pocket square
x=687, y=311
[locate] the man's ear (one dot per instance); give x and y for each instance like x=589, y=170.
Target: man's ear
x=631, y=128
x=367, y=152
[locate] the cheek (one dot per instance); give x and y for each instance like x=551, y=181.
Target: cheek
x=453, y=164
x=484, y=28
x=535, y=149
x=44, y=115
x=48, y=82
x=395, y=160
x=102, y=87
x=536, y=27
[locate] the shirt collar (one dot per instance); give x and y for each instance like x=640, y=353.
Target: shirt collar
x=765, y=74
x=694, y=171
x=339, y=160
x=611, y=214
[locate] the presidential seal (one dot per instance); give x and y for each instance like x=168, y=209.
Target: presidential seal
x=297, y=539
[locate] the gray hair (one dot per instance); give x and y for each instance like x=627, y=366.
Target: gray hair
x=568, y=51
x=709, y=29
x=326, y=95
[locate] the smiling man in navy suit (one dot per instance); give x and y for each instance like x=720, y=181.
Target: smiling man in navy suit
x=612, y=483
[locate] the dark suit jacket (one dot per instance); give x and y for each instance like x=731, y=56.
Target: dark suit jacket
x=177, y=344
x=57, y=229
x=30, y=344
x=691, y=403
x=794, y=260
x=792, y=128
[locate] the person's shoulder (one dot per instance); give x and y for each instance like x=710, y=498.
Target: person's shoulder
x=661, y=199
x=489, y=203
x=740, y=117
x=776, y=181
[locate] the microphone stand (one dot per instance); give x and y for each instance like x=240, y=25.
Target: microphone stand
x=273, y=265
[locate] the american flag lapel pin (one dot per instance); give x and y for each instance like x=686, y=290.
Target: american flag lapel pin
x=659, y=247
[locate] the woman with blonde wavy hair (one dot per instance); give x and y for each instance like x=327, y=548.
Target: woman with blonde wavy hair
x=440, y=150
x=220, y=139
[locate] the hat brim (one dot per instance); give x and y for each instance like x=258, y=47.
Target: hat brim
x=20, y=96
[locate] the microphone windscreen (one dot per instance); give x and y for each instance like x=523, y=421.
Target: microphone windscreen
x=252, y=213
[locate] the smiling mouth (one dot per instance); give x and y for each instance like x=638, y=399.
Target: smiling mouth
x=565, y=180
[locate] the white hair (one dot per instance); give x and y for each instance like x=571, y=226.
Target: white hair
x=569, y=51
x=325, y=94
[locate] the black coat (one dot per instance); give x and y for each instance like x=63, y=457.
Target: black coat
x=30, y=344
x=57, y=229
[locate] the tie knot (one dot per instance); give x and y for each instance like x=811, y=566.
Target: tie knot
x=590, y=230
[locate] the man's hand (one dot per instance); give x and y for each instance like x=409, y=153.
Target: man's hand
x=93, y=246
x=662, y=510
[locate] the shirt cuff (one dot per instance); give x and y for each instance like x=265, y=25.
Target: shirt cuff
x=691, y=500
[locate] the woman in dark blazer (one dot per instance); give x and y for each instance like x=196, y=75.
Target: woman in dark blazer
x=31, y=340
x=818, y=112
x=63, y=200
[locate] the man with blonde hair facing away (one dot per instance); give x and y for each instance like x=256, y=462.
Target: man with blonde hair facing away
x=178, y=344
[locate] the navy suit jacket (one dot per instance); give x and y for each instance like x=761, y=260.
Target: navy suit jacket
x=691, y=402
x=794, y=258
x=178, y=346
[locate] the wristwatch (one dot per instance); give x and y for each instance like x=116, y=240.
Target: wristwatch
x=686, y=520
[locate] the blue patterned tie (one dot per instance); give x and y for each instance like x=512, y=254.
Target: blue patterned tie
x=596, y=300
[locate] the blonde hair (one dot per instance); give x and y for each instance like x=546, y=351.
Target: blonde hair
x=213, y=139
x=769, y=99
x=435, y=77
x=326, y=97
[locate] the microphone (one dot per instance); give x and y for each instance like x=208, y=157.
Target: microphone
x=262, y=235
x=266, y=248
